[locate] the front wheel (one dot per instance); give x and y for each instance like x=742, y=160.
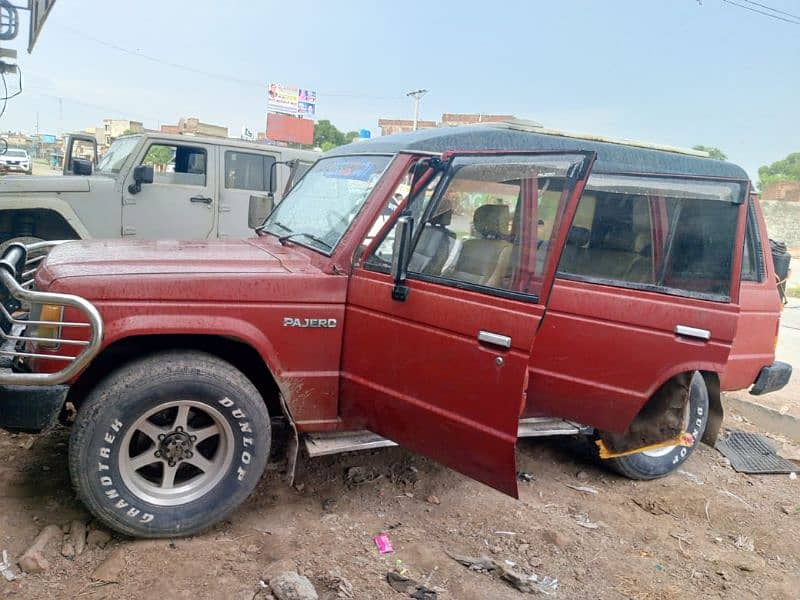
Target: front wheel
x=656, y=463
x=169, y=444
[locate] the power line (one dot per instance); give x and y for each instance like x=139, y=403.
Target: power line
x=223, y=76
x=775, y=10
x=761, y=12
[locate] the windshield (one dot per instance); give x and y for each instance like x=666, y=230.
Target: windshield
x=21, y=153
x=320, y=208
x=118, y=153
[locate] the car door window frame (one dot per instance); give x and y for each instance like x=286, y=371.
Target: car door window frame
x=173, y=144
x=570, y=181
x=735, y=277
x=266, y=164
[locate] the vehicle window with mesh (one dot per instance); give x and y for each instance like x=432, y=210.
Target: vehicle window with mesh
x=669, y=235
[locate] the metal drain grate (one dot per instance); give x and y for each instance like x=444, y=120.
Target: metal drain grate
x=752, y=453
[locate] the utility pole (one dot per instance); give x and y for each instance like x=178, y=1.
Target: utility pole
x=417, y=96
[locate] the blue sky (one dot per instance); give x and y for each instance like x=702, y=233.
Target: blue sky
x=667, y=71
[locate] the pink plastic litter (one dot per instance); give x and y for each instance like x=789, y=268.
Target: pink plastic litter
x=383, y=543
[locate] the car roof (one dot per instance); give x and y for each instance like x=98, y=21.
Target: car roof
x=310, y=155
x=613, y=156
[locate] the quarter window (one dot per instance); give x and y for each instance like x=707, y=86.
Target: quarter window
x=177, y=165
x=248, y=171
x=667, y=235
x=752, y=261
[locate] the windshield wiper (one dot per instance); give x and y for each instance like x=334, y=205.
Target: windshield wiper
x=278, y=223
x=285, y=238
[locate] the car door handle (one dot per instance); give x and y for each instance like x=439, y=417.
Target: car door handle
x=692, y=332
x=201, y=200
x=495, y=339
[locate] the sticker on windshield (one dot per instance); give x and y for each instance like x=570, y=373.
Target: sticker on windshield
x=361, y=169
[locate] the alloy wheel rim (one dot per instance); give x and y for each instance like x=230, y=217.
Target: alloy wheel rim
x=176, y=452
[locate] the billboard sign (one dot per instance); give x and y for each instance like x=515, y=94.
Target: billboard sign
x=247, y=134
x=290, y=100
x=288, y=128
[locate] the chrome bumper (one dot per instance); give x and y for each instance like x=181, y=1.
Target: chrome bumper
x=17, y=268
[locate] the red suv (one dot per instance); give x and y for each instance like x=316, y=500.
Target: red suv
x=449, y=290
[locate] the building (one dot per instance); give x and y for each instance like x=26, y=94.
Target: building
x=16, y=139
x=787, y=191
x=456, y=119
x=193, y=126
x=392, y=126
x=113, y=128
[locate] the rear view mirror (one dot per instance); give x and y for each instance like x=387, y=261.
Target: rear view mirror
x=81, y=166
x=141, y=174
x=258, y=210
x=400, y=256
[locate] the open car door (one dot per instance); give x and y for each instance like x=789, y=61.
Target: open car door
x=442, y=368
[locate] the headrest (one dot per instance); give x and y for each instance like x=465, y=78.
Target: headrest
x=578, y=236
x=619, y=240
x=491, y=220
x=443, y=219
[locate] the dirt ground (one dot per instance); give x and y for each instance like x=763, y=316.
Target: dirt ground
x=705, y=531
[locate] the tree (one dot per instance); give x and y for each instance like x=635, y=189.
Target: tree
x=327, y=136
x=158, y=156
x=787, y=169
x=713, y=152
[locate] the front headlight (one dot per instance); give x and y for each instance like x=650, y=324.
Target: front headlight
x=47, y=313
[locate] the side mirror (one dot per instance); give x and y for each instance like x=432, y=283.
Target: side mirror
x=81, y=166
x=258, y=210
x=141, y=174
x=400, y=256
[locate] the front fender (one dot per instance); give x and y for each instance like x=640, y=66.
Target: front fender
x=171, y=324
x=51, y=203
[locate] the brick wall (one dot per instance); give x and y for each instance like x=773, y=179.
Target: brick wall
x=782, y=190
x=453, y=119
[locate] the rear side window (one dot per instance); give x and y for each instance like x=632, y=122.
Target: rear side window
x=668, y=235
x=752, y=259
x=248, y=171
x=177, y=165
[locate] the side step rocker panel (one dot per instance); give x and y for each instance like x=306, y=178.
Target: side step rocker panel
x=324, y=444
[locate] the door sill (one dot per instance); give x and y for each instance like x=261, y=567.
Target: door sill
x=337, y=442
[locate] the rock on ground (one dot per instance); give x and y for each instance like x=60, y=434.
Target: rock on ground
x=292, y=586
x=33, y=560
x=110, y=570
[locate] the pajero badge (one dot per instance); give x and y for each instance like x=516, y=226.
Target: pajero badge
x=296, y=322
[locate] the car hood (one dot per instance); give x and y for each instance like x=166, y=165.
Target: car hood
x=219, y=270
x=46, y=183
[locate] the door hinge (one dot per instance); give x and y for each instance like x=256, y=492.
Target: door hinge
x=224, y=208
x=129, y=231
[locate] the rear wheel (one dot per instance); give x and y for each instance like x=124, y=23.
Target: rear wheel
x=656, y=463
x=169, y=445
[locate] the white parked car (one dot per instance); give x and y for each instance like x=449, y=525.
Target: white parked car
x=16, y=160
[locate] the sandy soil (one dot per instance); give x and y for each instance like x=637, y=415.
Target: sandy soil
x=705, y=531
